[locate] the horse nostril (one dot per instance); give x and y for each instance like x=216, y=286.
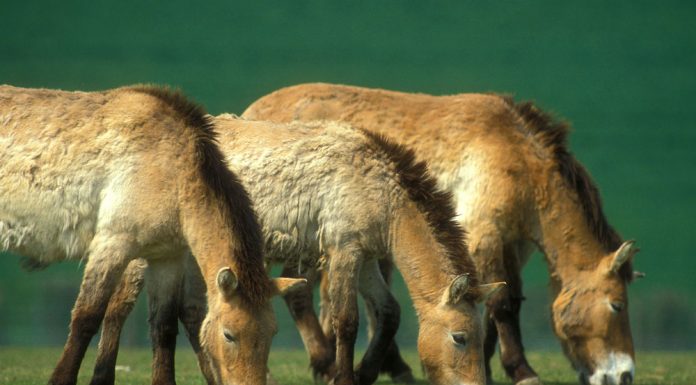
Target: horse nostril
x=626, y=378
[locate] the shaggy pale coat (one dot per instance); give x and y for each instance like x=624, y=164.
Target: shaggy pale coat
x=110, y=176
x=516, y=188
x=339, y=198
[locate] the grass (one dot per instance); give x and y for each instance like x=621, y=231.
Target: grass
x=25, y=366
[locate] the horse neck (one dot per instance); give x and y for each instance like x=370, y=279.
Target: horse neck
x=420, y=258
x=222, y=236
x=212, y=250
x=565, y=236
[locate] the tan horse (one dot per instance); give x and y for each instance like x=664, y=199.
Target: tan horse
x=516, y=188
x=343, y=198
x=134, y=172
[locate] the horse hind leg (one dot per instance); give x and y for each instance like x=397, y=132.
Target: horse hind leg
x=343, y=276
x=301, y=306
x=164, y=277
x=505, y=310
x=120, y=306
x=192, y=311
x=393, y=364
x=108, y=258
x=385, y=313
x=490, y=341
x=324, y=306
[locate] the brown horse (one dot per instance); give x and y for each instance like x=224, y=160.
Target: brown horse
x=343, y=198
x=134, y=172
x=516, y=188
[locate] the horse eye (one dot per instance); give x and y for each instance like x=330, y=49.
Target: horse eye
x=459, y=338
x=228, y=336
x=616, y=307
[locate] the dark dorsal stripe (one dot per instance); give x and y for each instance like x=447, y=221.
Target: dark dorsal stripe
x=235, y=203
x=553, y=134
x=433, y=202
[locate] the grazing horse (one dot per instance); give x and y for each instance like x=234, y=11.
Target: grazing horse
x=135, y=172
x=335, y=197
x=516, y=188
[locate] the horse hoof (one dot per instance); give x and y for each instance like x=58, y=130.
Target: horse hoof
x=529, y=381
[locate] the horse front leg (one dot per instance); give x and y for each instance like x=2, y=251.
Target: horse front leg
x=490, y=341
x=343, y=275
x=192, y=311
x=165, y=278
x=301, y=306
x=324, y=310
x=109, y=255
x=393, y=364
x=120, y=305
x=504, y=308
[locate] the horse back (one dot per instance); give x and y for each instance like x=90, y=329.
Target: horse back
x=75, y=163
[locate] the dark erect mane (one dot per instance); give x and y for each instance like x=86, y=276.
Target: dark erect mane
x=233, y=198
x=553, y=135
x=433, y=202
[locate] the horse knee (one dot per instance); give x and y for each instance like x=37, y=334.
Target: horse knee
x=85, y=325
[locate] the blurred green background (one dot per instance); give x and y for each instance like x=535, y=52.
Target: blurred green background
x=623, y=72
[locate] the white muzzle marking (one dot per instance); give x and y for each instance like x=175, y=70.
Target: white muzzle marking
x=612, y=368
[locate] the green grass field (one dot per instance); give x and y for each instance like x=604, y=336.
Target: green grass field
x=29, y=366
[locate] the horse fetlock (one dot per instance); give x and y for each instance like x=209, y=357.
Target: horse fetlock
x=105, y=377
x=346, y=379
x=323, y=368
x=521, y=372
x=366, y=374
x=61, y=381
x=405, y=377
x=326, y=377
x=104, y=370
x=103, y=381
x=529, y=381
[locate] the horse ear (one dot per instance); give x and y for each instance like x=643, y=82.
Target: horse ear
x=226, y=281
x=282, y=286
x=456, y=290
x=488, y=289
x=625, y=252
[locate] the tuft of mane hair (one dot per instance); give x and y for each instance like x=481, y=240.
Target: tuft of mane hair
x=234, y=199
x=554, y=135
x=434, y=203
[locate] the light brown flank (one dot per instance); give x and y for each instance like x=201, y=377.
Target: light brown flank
x=516, y=187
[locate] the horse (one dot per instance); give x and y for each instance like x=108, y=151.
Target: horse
x=105, y=177
x=517, y=188
x=339, y=199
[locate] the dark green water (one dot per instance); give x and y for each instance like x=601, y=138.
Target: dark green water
x=621, y=72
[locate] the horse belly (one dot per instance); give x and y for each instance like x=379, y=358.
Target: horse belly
x=49, y=225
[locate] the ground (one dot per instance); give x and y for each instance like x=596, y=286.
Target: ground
x=30, y=366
